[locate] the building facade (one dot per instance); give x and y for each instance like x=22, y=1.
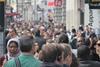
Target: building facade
x=71, y=12
x=60, y=12
x=92, y=16
x=23, y=7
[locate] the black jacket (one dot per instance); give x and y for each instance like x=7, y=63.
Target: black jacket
x=50, y=65
x=89, y=63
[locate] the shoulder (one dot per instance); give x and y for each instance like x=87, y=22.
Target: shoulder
x=10, y=63
x=96, y=63
x=37, y=62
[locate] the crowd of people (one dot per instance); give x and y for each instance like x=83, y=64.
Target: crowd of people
x=50, y=45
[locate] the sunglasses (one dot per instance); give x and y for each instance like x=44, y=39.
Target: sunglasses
x=98, y=44
x=80, y=41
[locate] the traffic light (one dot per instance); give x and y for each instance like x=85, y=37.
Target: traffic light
x=1, y=15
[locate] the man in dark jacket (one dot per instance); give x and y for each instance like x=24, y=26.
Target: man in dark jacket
x=83, y=55
x=39, y=39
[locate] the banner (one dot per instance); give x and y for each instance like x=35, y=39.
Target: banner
x=58, y=3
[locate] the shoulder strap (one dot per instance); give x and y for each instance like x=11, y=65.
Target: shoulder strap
x=17, y=62
x=6, y=57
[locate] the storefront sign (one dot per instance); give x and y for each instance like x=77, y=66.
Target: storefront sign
x=94, y=4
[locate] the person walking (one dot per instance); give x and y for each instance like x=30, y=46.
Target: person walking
x=26, y=59
x=13, y=50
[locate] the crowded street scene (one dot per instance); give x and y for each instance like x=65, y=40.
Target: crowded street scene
x=49, y=33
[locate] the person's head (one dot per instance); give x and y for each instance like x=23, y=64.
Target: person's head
x=60, y=55
x=67, y=55
x=50, y=53
x=83, y=52
x=80, y=41
x=63, y=38
x=12, y=32
x=26, y=43
x=81, y=28
x=73, y=30
x=98, y=47
x=49, y=41
x=87, y=28
x=42, y=30
x=6, y=32
x=36, y=48
x=37, y=33
x=13, y=46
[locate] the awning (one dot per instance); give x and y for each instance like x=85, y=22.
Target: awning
x=12, y=14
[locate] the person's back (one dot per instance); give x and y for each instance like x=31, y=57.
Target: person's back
x=26, y=59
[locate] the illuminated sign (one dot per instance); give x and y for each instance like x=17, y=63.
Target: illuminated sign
x=95, y=1
x=51, y=4
x=94, y=4
x=2, y=0
x=58, y=3
x=55, y=3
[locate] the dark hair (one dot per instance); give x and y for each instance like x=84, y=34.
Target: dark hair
x=37, y=33
x=73, y=30
x=92, y=35
x=50, y=52
x=81, y=28
x=6, y=32
x=66, y=49
x=26, y=43
x=60, y=50
x=83, y=52
x=14, y=30
x=63, y=38
x=13, y=42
